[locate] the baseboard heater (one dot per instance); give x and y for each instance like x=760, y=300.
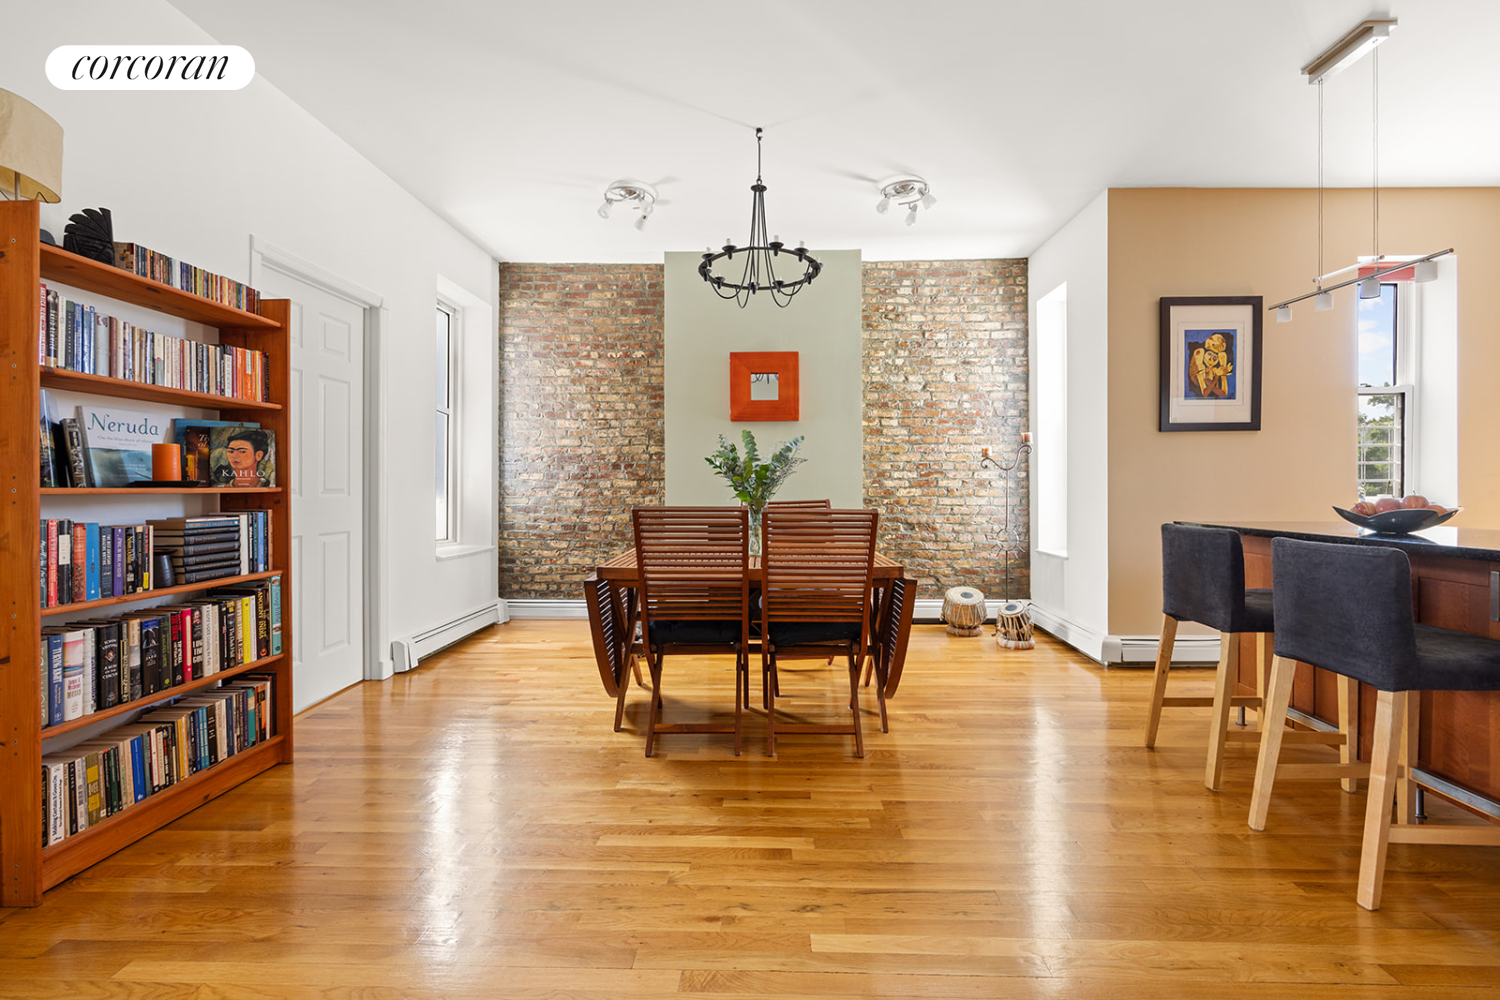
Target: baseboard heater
x=407, y=653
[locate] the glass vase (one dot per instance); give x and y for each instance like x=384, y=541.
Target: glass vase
x=755, y=513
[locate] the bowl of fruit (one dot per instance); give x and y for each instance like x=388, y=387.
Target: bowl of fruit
x=1390, y=516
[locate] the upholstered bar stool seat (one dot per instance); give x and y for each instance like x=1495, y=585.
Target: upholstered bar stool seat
x=1203, y=581
x=1348, y=609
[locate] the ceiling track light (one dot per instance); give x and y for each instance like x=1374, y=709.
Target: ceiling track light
x=907, y=190
x=758, y=273
x=1349, y=50
x=631, y=194
x=1363, y=38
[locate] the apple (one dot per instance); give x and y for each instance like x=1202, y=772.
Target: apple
x=1414, y=500
x=1364, y=508
x=1387, y=503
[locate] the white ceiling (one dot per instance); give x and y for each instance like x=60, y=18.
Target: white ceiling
x=510, y=119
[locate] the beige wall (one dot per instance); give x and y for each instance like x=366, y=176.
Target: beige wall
x=822, y=325
x=1264, y=242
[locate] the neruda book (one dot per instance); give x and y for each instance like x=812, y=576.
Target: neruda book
x=117, y=442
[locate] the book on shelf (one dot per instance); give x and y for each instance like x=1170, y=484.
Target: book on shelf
x=86, y=561
x=192, y=436
x=80, y=338
x=242, y=456
x=102, y=777
x=117, y=443
x=97, y=664
x=149, y=263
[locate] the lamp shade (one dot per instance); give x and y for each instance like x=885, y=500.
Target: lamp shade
x=31, y=150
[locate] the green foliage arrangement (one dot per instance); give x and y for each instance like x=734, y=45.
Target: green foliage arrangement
x=752, y=480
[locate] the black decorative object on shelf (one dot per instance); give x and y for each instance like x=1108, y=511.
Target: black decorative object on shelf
x=91, y=234
x=49, y=239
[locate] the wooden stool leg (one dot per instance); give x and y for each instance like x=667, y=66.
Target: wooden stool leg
x=1265, y=650
x=1224, y=679
x=1390, y=719
x=1349, y=726
x=1163, y=667
x=1278, y=700
x=1406, y=789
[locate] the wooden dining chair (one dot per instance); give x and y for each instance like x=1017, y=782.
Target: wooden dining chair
x=887, y=653
x=695, y=598
x=612, y=629
x=815, y=600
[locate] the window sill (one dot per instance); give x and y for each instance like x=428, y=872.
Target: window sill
x=446, y=551
x=1054, y=553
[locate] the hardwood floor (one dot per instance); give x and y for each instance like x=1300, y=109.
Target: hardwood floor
x=474, y=830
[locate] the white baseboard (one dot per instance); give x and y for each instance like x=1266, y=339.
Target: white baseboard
x=528, y=608
x=407, y=653
x=1087, y=641
x=1142, y=649
x=930, y=609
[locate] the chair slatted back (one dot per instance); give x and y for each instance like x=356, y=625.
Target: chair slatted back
x=817, y=564
x=692, y=562
x=895, y=629
x=607, y=627
x=799, y=505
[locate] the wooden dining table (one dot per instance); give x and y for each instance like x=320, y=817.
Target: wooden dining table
x=887, y=651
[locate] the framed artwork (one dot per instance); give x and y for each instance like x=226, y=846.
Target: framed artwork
x=763, y=385
x=1210, y=363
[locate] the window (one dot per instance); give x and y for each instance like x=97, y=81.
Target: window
x=445, y=484
x=1386, y=393
x=1051, y=451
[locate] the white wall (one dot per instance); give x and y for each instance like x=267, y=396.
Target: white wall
x=822, y=324
x=1437, y=386
x=196, y=174
x=1070, y=594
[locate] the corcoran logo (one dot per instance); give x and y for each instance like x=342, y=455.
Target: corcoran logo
x=150, y=67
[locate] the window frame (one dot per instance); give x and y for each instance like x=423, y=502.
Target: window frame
x=1408, y=377
x=453, y=412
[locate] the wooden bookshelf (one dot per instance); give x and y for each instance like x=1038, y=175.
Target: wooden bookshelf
x=102, y=385
x=28, y=870
x=175, y=691
x=155, y=592
x=136, y=491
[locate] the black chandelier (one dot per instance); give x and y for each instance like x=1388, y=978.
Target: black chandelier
x=759, y=272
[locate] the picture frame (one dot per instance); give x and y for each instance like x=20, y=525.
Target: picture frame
x=1211, y=362
x=764, y=385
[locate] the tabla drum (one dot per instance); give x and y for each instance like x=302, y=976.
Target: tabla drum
x=963, y=610
x=1014, y=626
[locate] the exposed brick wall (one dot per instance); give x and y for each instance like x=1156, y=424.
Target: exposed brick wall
x=945, y=370
x=581, y=418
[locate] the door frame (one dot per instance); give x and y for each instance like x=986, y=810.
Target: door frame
x=266, y=256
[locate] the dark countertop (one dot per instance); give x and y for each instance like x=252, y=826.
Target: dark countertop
x=1444, y=540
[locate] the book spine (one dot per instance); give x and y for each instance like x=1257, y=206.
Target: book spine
x=73, y=436
x=55, y=680
x=90, y=672
x=106, y=536
x=92, y=585
x=52, y=567
x=176, y=648
x=262, y=622
x=109, y=666
x=80, y=564
x=72, y=676
x=117, y=536
x=274, y=593
x=136, y=687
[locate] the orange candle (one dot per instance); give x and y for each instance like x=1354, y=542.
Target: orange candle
x=166, y=463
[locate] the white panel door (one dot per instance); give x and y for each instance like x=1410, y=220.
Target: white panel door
x=325, y=462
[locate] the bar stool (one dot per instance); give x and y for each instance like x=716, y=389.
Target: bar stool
x=1203, y=580
x=1348, y=609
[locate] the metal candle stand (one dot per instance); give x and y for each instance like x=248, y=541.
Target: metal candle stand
x=1013, y=620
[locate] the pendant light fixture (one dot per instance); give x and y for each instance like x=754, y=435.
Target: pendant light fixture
x=1363, y=38
x=758, y=260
